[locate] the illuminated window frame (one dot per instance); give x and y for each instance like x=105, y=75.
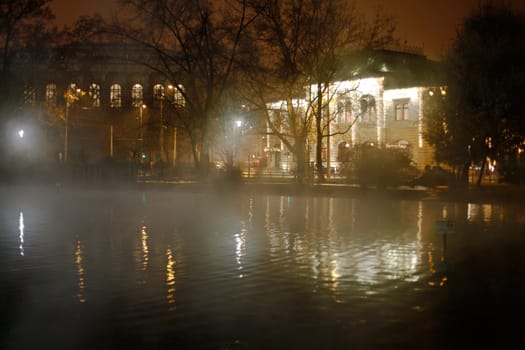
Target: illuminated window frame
x=401, y=109
x=29, y=95
x=158, y=95
x=115, y=96
x=368, y=109
x=51, y=94
x=137, y=95
x=94, y=94
x=344, y=111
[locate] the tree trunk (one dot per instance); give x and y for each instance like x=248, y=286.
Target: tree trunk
x=463, y=181
x=301, y=159
x=319, y=135
x=481, y=171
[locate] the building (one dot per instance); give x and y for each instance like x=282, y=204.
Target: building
x=378, y=99
x=103, y=103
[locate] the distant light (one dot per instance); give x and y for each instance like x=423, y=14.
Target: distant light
x=238, y=123
x=21, y=133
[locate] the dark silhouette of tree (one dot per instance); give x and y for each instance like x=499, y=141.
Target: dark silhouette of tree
x=23, y=27
x=195, y=45
x=482, y=117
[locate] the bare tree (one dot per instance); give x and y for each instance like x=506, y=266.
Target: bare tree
x=194, y=45
x=304, y=41
x=23, y=24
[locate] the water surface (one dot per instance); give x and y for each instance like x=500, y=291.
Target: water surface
x=110, y=269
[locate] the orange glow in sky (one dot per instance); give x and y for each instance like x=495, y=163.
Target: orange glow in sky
x=429, y=24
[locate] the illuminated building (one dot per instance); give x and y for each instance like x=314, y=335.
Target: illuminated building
x=376, y=99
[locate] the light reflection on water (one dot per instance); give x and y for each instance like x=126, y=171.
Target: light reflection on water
x=178, y=268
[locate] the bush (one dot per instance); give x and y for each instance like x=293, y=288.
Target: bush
x=380, y=167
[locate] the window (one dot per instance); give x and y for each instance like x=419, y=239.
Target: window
x=401, y=109
x=94, y=94
x=368, y=109
x=72, y=93
x=29, y=95
x=158, y=95
x=178, y=95
x=51, y=95
x=344, y=111
x=137, y=95
x=115, y=96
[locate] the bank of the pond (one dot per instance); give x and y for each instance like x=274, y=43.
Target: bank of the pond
x=483, y=194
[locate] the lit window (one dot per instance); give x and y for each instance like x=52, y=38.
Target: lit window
x=94, y=94
x=29, y=96
x=115, y=96
x=401, y=109
x=344, y=111
x=72, y=94
x=368, y=109
x=178, y=95
x=158, y=95
x=137, y=95
x=51, y=95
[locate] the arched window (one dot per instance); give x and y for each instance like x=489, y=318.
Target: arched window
x=368, y=109
x=344, y=111
x=115, y=96
x=51, y=95
x=158, y=95
x=94, y=94
x=137, y=95
x=73, y=93
x=178, y=95
x=29, y=95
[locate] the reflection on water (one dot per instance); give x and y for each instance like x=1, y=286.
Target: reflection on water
x=21, y=232
x=170, y=279
x=80, y=272
x=144, y=245
x=361, y=266
x=240, y=248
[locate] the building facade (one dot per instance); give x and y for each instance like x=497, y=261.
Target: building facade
x=379, y=100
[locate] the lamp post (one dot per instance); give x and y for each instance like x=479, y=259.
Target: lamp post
x=71, y=96
x=161, y=132
x=141, y=107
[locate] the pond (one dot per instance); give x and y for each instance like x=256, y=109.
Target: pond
x=134, y=269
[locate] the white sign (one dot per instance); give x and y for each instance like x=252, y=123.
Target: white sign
x=445, y=227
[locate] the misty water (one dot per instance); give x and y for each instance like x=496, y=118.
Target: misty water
x=134, y=269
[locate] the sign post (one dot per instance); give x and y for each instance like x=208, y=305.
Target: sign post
x=445, y=228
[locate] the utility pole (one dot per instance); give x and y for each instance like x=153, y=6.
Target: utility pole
x=141, y=131
x=66, y=129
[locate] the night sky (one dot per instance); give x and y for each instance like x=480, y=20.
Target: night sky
x=430, y=24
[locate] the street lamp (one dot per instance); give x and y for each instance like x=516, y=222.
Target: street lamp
x=141, y=108
x=70, y=98
x=161, y=132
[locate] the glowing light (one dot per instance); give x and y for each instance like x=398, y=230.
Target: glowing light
x=21, y=133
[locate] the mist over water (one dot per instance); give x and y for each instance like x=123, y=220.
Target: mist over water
x=84, y=269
